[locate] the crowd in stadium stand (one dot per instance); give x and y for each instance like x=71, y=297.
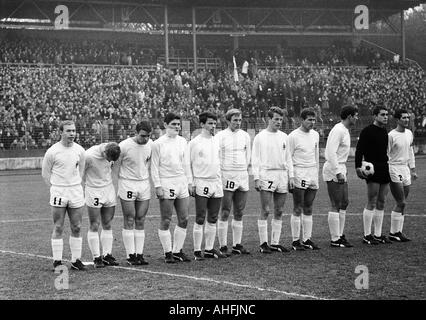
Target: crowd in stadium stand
x=54, y=51
x=60, y=51
x=108, y=102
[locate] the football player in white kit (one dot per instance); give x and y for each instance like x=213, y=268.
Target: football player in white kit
x=134, y=190
x=304, y=149
x=62, y=169
x=334, y=173
x=271, y=164
x=235, y=154
x=401, y=169
x=206, y=186
x=100, y=200
x=171, y=175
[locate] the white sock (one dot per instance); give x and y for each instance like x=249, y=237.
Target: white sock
x=401, y=223
x=395, y=221
x=139, y=241
x=333, y=224
x=57, y=248
x=342, y=218
x=367, y=216
x=295, y=227
x=106, y=241
x=165, y=239
x=93, y=240
x=307, y=227
x=210, y=234
x=237, y=231
x=276, y=231
x=178, y=239
x=75, y=246
x=222, y=232
x=129, y=241
x=262, y=225
x=378, y=222
x=197, y=234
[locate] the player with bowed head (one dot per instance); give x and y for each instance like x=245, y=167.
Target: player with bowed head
x=100, y=200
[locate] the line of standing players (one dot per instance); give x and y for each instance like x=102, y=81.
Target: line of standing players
x=214, y=168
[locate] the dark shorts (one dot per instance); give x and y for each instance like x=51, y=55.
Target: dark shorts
x=381, y=173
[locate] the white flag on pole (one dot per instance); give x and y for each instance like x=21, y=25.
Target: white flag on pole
x=235, y=70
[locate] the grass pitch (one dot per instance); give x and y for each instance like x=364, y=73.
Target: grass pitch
x=395, y=271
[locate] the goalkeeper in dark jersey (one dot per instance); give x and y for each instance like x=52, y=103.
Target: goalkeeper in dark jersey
x=372, y=147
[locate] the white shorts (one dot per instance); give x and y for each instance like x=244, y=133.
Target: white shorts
x=62, y=197
x=274, y=180
x=175, y=188
x=209, y=188
x=400, y=174
x=235, y=180
x=134, y=190
x=306, y=178
x=100, y=197
x=328, y=175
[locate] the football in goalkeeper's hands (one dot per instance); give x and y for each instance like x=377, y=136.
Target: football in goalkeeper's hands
x=367, y=168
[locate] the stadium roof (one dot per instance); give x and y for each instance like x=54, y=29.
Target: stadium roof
x=382, y=4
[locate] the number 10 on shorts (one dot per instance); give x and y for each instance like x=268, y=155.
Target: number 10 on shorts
x=230, y=184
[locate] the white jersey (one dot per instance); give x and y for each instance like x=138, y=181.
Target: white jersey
x=134, y=160
x=304, y=148
x=337, y=147
x=204, y=157
x=98, y=169
x=63, y=166
x=270, y=152
x=400, y=148
x=235, y=150
x=170, y=159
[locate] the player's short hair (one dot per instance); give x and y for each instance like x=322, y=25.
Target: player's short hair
x=112, y=151
x=273, y=110
x=398, y=113
x=170, y=117
x=66, y=123
x=232, y=112
x=348, y=111
x=306, y=112
x=203, y=116
x=376, y=109
x=143, y=125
